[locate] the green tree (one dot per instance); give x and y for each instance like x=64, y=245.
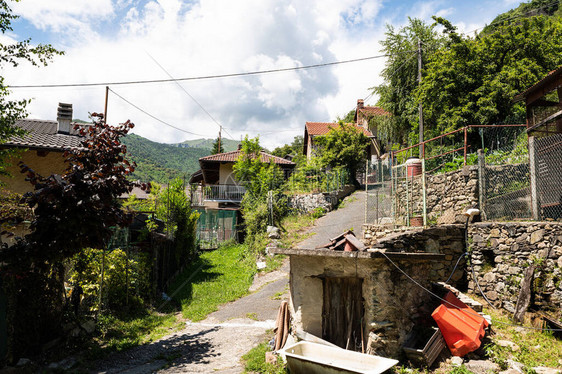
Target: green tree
x=14, y=54
x=473, y=80
x=263, y=202
x=217, y=147
x=401, y=77
x=295, y=149
x=345, y=146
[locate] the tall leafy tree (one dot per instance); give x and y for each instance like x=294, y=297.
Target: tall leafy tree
x=401, y=76
x=14, y=54
x=472, y=81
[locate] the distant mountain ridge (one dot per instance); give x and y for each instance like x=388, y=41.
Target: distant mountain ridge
x=227, y=144
x=160, y=162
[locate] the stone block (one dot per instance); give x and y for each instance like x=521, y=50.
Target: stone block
x=494, y=233
x=536, y=236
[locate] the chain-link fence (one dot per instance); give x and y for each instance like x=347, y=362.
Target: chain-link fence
x=454, y=176
x=505, y=183
x=378, y=188
x=548, y=176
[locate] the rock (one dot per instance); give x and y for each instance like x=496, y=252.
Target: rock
x=273, y=232
x=510, y=371
x=89, y=326
x=515, y=365
x=559, y=262
x=456, y=361
x=537, y=236
x=492, y=295
x=23, y=362
x=494, y=233
x=546, y=370
x=270, y=357
x=481, y=366
x=490, y=277
x=506, y=343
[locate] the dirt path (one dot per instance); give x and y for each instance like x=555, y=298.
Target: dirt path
x=215, y=344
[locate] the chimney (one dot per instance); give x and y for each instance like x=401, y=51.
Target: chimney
x=64, y=117
x=360, y=104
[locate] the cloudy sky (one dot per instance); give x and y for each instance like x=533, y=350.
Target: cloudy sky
x=135, y=40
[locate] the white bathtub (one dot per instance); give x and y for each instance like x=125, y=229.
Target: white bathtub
x=313, y=358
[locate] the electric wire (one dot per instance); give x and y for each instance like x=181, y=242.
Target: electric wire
x=205, y=77
x=187, y=93
x=451, y=304
x=152, y=116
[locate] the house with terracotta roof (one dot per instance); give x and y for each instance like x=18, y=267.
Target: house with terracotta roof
x=216, y=195
x=362, y=118
x=42, y=147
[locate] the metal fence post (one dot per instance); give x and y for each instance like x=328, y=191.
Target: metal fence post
x=533, y=173
x=482, y=183
x=424, y=191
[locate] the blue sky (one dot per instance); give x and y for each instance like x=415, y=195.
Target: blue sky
x=119, y=40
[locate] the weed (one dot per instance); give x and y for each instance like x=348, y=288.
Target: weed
x=255, y=362
x=460, y=370
x=252, y=316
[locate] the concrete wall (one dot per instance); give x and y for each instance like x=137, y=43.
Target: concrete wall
x=44, y=163
x=226, y=175
x=392, y=305
x=502, y=251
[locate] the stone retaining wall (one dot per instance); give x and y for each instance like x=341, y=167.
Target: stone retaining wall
x=448, y=196
x=445, y=239
x=325, y=200
x=502, y=251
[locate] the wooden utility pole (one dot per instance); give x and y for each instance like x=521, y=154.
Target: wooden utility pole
x=420, y=105
x=105, y=109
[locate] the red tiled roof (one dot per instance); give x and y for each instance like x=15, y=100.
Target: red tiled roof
x=43, y=134
x=322, y=128
x=233, y=156
x=374, y=111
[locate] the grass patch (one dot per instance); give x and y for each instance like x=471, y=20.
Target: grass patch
x=295, y=227
x=217, y=277
x=254, y=361
x=536, y=347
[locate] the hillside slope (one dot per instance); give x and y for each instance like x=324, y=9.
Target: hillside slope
x=227, y=144
x=161, y=162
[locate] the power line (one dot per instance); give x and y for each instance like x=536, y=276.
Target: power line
x=154, y=117
x=204, y=77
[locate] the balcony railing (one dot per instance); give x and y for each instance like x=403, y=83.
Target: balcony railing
x=225, y=193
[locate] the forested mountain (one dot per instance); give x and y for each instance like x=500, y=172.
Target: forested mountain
x=161, y=162
x=227, y=144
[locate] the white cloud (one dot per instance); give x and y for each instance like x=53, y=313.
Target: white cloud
x=205, y=38
x=68, y=16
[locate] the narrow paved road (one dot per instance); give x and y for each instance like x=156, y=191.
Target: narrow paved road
x=216, y=344
x=350, y=216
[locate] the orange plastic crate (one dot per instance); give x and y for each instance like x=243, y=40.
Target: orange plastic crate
x=461, y=326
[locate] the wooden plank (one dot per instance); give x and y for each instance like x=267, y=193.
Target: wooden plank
x=524, y=298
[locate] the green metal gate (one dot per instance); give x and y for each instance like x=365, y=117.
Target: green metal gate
x=216, y=226
x=3, y=324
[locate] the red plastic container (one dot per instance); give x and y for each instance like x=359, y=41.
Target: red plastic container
x=461, y=326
